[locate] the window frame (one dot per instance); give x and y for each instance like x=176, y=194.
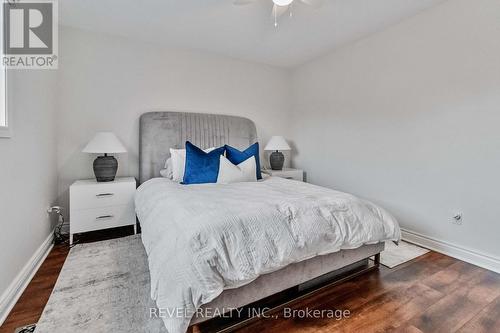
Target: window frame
x=5, y=131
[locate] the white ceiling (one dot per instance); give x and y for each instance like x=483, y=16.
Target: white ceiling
x=243, y=32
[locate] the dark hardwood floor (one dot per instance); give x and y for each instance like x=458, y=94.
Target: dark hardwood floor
x=433, y=293
x=29, y=307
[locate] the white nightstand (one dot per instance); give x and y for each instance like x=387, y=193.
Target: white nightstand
x=95, y=206
x=287, y=173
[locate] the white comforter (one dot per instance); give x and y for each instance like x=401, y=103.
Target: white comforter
x=202, y=239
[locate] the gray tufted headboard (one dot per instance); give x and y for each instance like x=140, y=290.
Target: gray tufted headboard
x=160, y=131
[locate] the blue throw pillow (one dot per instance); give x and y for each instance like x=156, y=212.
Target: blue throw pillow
x=201, y=167
x=236, y=156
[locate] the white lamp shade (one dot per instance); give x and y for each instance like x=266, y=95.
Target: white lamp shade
x=282, y=2
x=277, y=143
x=104, y=143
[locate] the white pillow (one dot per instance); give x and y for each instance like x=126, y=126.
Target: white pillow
x=178, y=157
x=246, y=171
x=167, y=171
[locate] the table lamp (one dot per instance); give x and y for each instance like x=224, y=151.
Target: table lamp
x=277, y=159
x=105, y=167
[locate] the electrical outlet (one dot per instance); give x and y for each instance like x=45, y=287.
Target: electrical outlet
x=457, y=219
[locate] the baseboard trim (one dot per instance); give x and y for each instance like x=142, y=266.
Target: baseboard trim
x=473, y=257
x=21, y=281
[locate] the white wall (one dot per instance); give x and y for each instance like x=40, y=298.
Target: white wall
x=28, y=180
x=107, y=82
x=409, y=118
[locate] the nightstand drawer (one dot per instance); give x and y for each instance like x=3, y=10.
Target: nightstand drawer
x=102, y=218
x=102, y=195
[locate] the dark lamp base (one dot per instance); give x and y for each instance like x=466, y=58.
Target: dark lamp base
x=105, y=168
x=277, y=159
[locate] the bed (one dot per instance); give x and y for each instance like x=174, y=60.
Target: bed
x=213, y=248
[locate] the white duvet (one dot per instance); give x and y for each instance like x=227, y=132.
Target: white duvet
x=202, y=239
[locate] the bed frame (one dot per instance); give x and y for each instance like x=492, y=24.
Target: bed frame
x=160, y=131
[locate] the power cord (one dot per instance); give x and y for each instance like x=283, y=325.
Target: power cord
x=59, y=237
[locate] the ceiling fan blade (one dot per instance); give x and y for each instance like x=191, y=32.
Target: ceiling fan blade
x=243, y=2
x=278, y=11
x=314, y=3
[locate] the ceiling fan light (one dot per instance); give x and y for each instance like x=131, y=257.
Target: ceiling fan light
x=282, y=2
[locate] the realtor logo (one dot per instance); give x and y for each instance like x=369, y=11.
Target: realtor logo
x=30, y=34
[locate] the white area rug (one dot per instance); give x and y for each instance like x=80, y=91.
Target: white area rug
x=395, y=255
x=103, y=288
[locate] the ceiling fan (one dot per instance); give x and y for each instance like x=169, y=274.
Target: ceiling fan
x=280, y=7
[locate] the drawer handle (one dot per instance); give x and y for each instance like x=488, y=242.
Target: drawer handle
x=104, y=195
x=104, y=217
